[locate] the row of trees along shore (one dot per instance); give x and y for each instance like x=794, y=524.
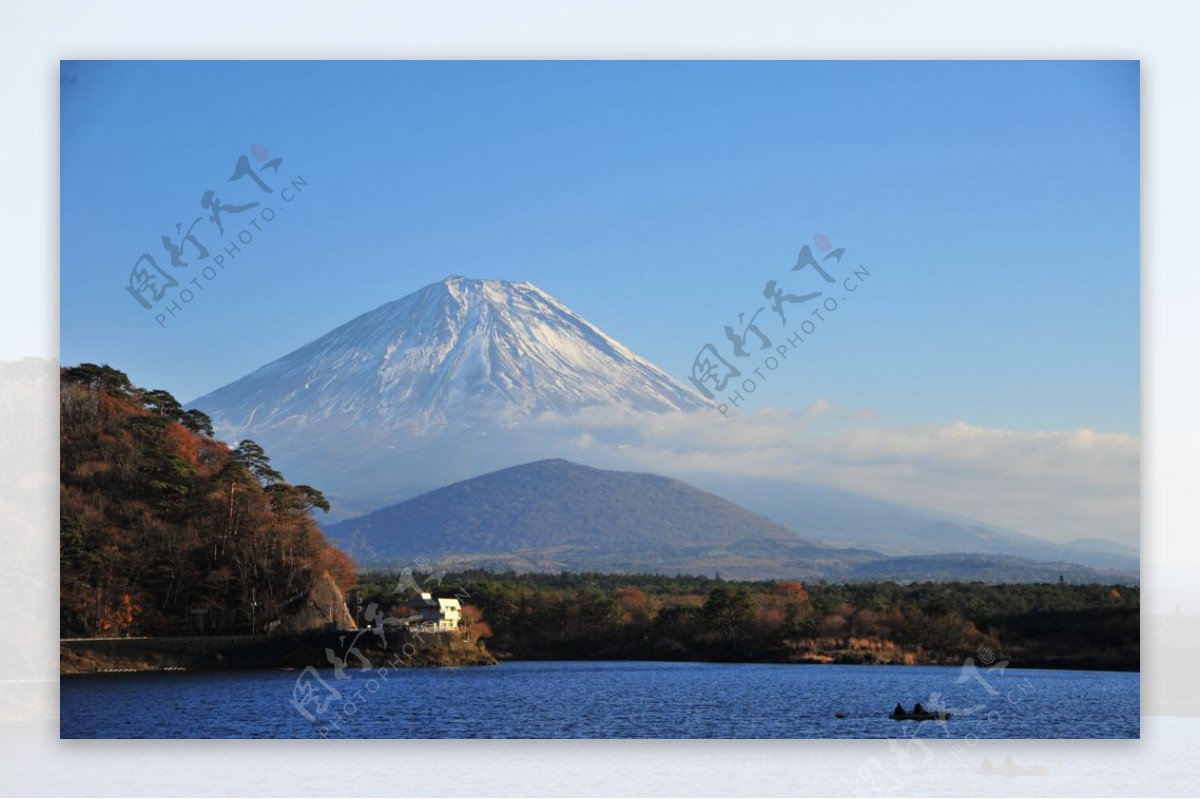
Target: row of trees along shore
x=606, y=616
x=167, y=531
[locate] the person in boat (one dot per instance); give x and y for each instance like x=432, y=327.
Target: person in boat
x=899, y=711
x=918, y=710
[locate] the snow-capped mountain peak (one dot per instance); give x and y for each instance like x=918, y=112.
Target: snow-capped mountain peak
x=451, y=354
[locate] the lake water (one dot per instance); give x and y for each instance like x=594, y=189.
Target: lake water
x=603, y=700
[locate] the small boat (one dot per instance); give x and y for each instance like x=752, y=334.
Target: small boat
x=941, y=715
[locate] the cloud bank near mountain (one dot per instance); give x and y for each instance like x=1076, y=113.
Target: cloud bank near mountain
x=1060, y=485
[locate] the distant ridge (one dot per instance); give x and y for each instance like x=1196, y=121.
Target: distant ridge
x=845, y=518
x=556, y=515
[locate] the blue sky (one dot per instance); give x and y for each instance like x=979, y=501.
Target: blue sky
x=996, y=205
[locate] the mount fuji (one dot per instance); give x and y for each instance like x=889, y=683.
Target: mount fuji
x=445, y=357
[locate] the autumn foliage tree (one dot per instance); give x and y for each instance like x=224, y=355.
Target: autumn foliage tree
x=473, y=623
x=340, y=568
x=633, y=607
x=164, y=529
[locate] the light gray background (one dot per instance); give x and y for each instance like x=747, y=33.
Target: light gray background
x=34, y=36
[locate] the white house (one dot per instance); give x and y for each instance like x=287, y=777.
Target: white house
x=435, y=614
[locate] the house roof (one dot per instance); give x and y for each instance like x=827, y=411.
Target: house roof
x=441, y=604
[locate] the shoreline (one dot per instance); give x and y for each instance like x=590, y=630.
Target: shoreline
x=283, y=652
x=293, y=652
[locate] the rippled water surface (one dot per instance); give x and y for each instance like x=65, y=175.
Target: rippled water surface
x=602, y=700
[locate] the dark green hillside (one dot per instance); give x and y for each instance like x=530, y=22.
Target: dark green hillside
x=557, y=514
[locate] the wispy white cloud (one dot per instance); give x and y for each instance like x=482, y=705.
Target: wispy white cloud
x=817, y=408
x=1058, y=484
x=826, y=410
